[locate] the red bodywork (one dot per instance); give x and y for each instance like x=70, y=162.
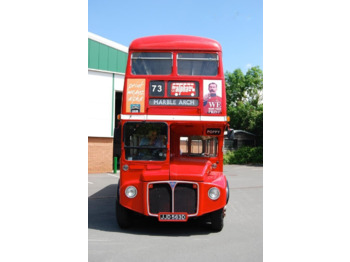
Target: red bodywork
x=203, y=173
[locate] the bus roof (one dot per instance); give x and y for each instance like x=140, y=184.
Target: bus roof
x=175, y=42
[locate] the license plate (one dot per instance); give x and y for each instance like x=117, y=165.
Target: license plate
x=172, y=217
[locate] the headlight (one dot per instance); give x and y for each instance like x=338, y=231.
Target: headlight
x=131, y=191
x=214, y=193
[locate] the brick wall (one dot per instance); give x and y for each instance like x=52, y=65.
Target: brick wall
x=100, y=154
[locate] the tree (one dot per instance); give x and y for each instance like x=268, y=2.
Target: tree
x=244, y=101
x=235, y=87
x=254, y=85
x=244, y=88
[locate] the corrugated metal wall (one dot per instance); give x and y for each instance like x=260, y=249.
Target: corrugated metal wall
x=103, y=57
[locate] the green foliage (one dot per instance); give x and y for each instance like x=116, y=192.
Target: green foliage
x=244, y=101
x=244, y=88
x=229, y=157
x=235, y=87
x=254, y=85
x=244, y=155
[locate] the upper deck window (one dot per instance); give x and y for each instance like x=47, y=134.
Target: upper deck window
x=197, y=64
x=152, y=63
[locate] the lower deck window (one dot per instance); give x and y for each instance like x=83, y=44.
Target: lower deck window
x=203, y=146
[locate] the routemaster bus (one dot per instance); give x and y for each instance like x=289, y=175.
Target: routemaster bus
x=172, y=132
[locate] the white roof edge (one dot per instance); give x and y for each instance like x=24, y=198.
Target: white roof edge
x=242, y=131
x=108, y=42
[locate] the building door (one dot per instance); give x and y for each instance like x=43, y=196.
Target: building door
x=117, y=132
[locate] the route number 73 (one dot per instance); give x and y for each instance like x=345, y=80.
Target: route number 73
x=157, y=88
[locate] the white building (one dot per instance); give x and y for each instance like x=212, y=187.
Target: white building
x=106, y=71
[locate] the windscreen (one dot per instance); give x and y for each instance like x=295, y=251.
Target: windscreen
x=151, y=63
x=197, y=64
x=145, y=141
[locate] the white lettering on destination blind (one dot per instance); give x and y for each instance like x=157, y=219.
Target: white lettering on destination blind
x=173, y=102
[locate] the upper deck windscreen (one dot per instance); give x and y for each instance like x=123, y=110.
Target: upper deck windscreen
x=151, y=63
x=197, y=64
x=188, y=64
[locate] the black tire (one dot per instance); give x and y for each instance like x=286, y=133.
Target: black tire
x=124, y=216
x=217, y=220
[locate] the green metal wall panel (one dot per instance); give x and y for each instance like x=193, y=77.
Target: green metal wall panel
x=123, y=58
x=93, y=54
x=113, y=60
x=103, y=57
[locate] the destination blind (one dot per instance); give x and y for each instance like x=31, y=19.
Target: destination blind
x=173, y=102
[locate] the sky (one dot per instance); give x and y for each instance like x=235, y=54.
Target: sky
x=236, y=25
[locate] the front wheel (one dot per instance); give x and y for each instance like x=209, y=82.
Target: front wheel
x=124, y=216
x=217, y=220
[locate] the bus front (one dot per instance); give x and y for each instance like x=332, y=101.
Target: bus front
x=173, y=121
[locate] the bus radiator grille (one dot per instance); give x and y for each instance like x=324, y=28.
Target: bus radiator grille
x=161, y=197
x=185, y=199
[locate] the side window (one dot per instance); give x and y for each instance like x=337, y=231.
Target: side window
x=183, y=145
x=196, y=146
x=199, y=146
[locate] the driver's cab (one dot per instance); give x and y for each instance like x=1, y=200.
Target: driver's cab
x=145, y=141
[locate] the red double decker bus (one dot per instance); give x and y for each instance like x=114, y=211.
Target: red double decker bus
x=172, y=131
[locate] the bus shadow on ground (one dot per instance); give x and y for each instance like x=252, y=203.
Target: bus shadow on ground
x=102, y=216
